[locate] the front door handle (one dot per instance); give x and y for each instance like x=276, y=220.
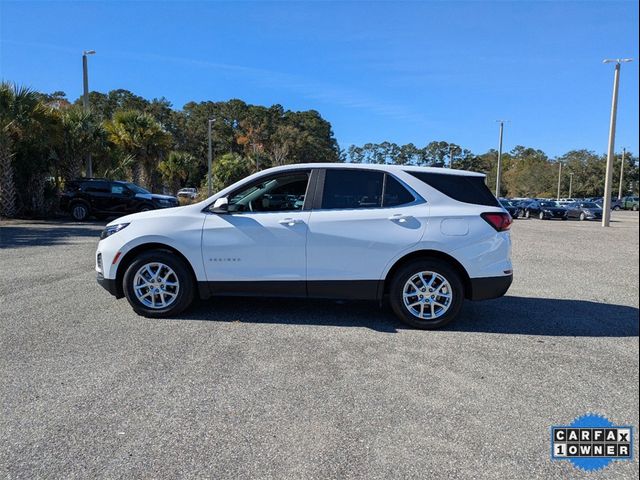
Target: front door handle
x=400, y=218
x=290, y=222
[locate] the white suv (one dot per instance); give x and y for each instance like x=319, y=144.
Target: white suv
x=425, y=237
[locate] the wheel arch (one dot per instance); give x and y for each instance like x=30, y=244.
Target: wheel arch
x=130, y=256
x=428, y=255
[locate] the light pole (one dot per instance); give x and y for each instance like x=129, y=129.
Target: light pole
x=570, y=184
x=85, y=100
x=624, y=151
x=209, y=160
x=559, y=179
x=499, y=167
x=606, y=203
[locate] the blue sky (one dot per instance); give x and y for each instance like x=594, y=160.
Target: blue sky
x=403, y=72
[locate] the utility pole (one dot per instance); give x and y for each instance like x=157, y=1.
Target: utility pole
x=499, y=168
x=559, y=179
x=624, y=151
x=209, y=161
x=85, y=100
x=570, y=184
x=606, y=203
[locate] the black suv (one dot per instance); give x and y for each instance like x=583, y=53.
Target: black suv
x=104, y=198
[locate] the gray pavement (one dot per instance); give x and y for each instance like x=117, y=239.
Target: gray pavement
x=258, y=388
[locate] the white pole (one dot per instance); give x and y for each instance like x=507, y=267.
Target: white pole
x=606, y=204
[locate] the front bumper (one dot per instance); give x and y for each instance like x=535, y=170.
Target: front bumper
x=109, y=285
x=485, y=288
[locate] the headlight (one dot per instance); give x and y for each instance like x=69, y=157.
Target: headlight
x=110, y=230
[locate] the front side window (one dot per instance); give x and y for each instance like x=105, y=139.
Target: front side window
x=275, y=194
x=96, y=187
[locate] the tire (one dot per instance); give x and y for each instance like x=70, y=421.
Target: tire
x=409, y=272
x=541, y=216
x=583, y=217
x=79, y=211
x=181, y=273
x=634, y=208
x=616, y=208
x=527, y=214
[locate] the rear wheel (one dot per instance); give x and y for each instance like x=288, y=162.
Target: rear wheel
x=158, y=284
x=79, y=211
x=426, y=294
x=635, y=208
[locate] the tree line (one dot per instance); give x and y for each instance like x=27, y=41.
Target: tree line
x=46, y=139
x=526, y=172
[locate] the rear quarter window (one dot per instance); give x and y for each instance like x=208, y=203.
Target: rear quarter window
x=463, y=188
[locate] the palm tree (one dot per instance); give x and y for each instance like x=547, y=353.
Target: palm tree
x=82, y=135
x=177, y=168
x=19, y=109
x=141, y=136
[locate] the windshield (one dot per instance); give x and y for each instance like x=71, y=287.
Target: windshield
x=506, y=203
x=590, y=205
x=548, y=204
x=136, y=189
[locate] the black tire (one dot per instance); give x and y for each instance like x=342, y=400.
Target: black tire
x=583, y=217
x=634, y=208
x=428, y=265
x=541, y=216
x=527, y=214
x=616, y=208
x=79, y=211
x=185, y=294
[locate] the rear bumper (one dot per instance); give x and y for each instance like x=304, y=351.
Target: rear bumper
x=485, y=288
x=109, y=285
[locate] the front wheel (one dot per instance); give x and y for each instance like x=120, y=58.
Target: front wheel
x=527, y=214
x=541, y=216
x=583, y=217
x=616, y=208
x=79, y=211
x=158, y=284
x=426, y=294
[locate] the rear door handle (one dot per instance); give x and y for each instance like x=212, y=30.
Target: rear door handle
x=400, y=218
x=290, y=222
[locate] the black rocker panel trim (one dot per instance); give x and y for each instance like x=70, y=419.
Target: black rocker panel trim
x=338, y=289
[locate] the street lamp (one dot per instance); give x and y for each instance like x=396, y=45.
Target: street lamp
x=624, y=151
x=606, y=203
x=85, y=100
x=570, y=184
x=499, y=167
x=209, y=160
x=559, y=179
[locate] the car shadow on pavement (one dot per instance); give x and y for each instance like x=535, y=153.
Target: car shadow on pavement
x=39, y=234
x=506, y=315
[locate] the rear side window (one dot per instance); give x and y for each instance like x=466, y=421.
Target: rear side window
x=463, y=188
x=97, y=187
x=348, y=189
x=352, y=189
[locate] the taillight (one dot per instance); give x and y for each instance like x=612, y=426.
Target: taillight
x=501, y=221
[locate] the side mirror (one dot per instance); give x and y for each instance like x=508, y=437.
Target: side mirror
x=221, y=205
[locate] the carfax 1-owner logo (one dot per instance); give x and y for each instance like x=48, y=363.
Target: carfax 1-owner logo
x=591, y=442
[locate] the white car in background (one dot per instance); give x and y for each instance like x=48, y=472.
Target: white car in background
x=190, y=193
x=426, y=238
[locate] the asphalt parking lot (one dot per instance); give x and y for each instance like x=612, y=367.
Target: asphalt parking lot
x=257, y=388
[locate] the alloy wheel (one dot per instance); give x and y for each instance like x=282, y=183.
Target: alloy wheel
x=427, y=295
x=156, y=285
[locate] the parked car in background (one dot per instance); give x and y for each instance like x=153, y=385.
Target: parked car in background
x=511, y=207
x=615, y=203
x=426, y=238
x=190, y=193
x=545, y=210
x=584, y=211
x=104, y=198
x=630, y=203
